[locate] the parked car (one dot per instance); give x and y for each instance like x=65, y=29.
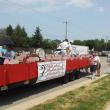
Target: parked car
x=105, y=53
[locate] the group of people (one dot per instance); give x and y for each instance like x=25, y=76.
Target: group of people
x=95, y=65
x=6, y=55
x=65, y=48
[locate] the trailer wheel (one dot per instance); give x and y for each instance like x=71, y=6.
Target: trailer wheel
x=77, y=74
x=71, y=76
x=66, y=78
x=33, y=81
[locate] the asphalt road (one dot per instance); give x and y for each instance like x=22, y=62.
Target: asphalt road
x=22, y=94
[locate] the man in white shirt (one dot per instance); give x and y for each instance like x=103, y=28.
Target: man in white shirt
x=64, y=47
x=95, y=66
x=97, y=59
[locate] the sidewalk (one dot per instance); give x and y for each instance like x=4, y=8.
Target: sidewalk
x=107, y=107
x=30, y=103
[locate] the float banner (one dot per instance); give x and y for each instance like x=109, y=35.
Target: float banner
x=51, y=70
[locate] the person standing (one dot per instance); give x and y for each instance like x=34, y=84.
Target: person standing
x=10, y=54
x=64, y=47
x=93, y=66
x=98, y=64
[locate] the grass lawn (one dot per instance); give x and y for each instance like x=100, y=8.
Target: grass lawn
x=92, y=97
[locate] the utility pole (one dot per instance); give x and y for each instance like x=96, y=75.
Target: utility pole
x=106, y=41
x=66, y=33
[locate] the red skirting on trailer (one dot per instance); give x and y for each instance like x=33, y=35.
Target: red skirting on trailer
x=2, y=75
x=72, y=64
x=10, y=74
x=17, y=73
x=33, y=70
x=77, y=63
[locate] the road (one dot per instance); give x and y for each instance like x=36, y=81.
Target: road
x=105, y=68
x=20, y=95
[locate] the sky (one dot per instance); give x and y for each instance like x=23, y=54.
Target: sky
x=87, y=19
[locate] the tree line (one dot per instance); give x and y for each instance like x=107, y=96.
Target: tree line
x=21, y=40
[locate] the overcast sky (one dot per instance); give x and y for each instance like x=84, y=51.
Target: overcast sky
x=88, y=19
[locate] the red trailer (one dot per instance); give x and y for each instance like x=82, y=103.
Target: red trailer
x=40, y=71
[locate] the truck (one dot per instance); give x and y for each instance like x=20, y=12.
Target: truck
x=80, y=50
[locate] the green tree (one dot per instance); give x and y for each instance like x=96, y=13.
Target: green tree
x=78, y=42
x=25, y=38
x=50, y=44
x=20, y=37
x=47, y=44
x=37, y=39
x=9, y=31
x=90, y=43
x=57, y=42
x=54, y=44
x=2, y=33
x=24, y=33
x=97, y=44
x=108, y=45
